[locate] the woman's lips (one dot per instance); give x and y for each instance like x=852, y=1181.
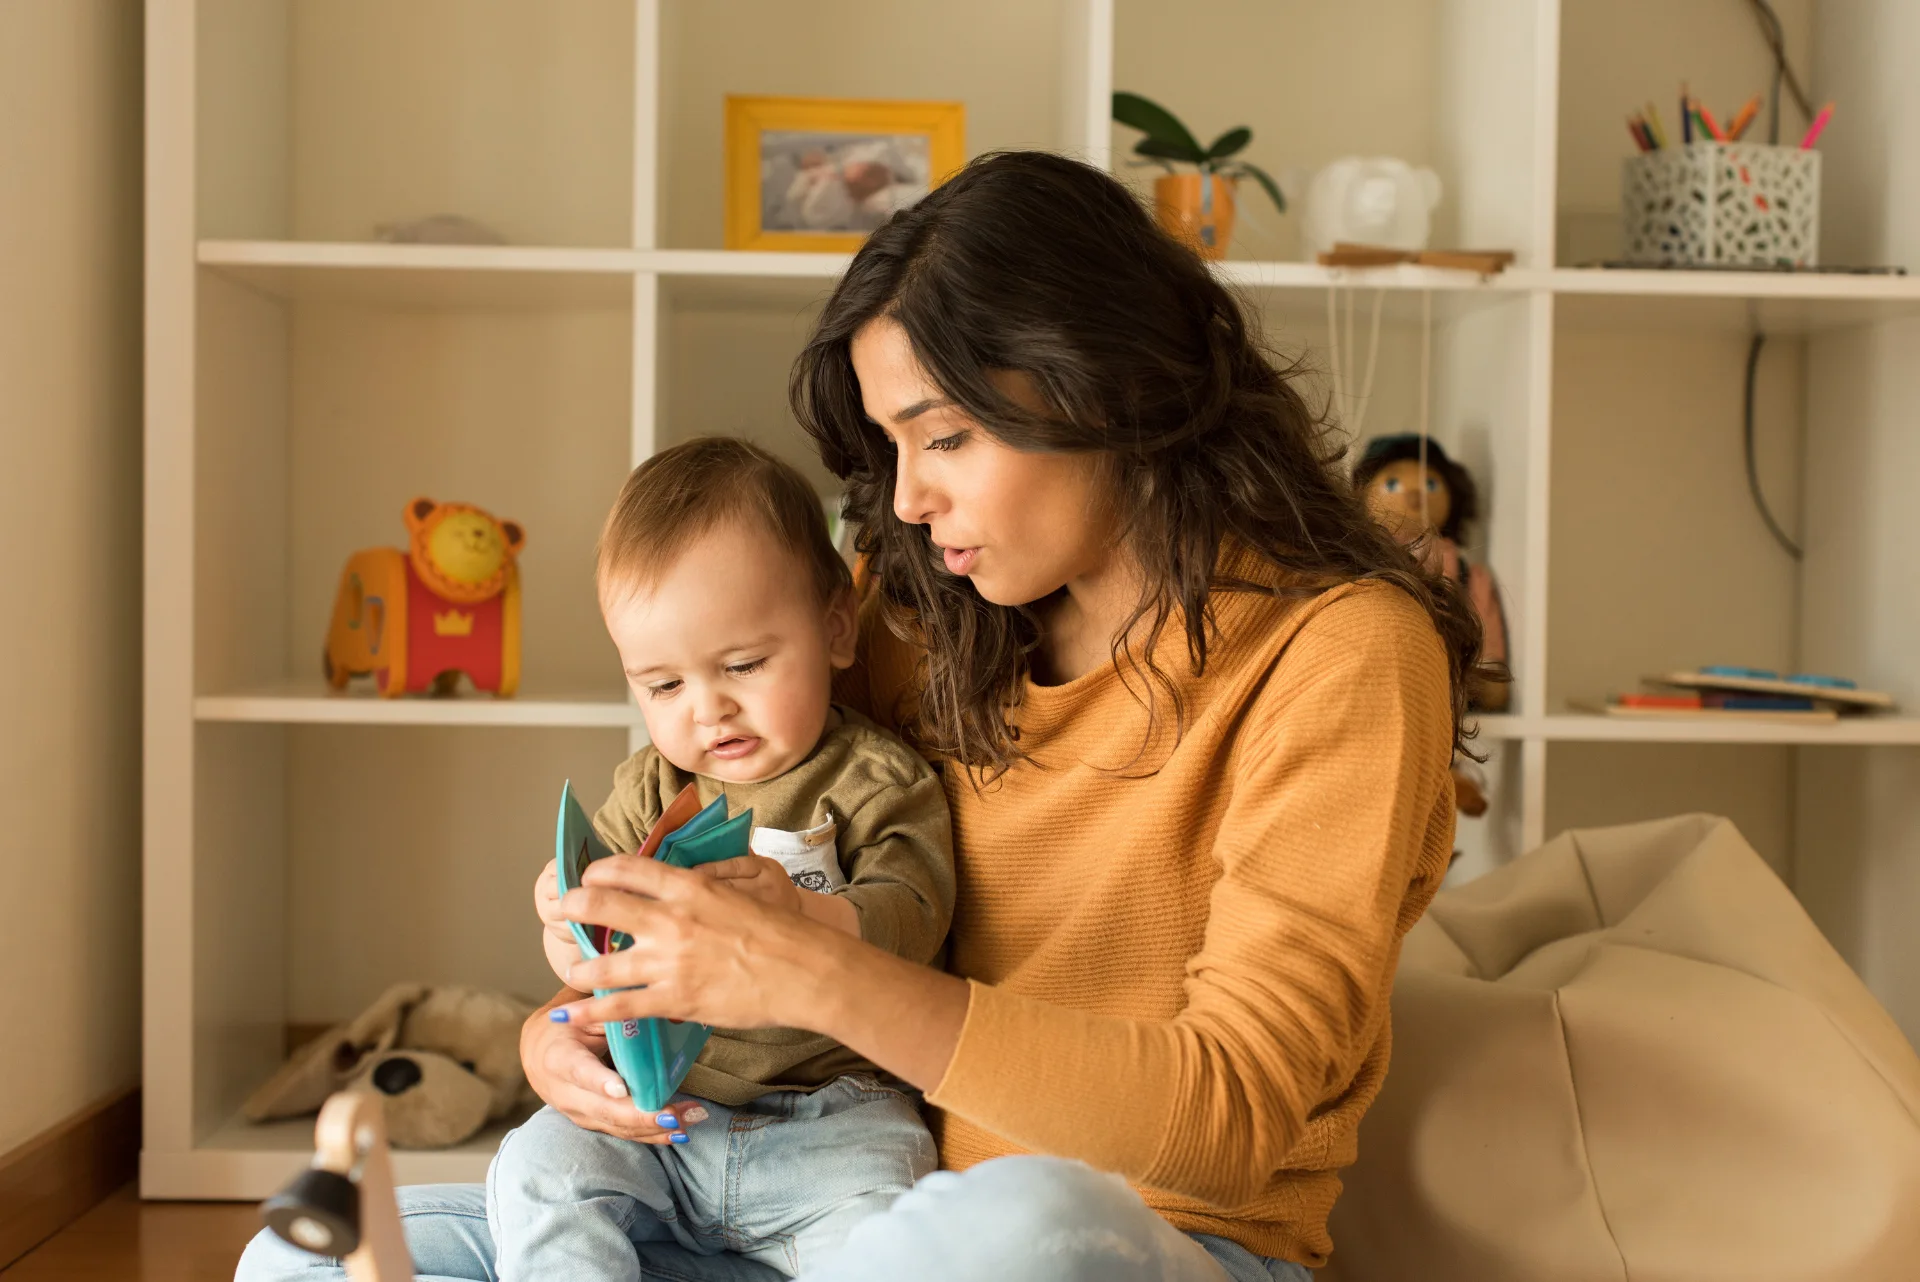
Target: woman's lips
x=734, y=748
x=959, y=560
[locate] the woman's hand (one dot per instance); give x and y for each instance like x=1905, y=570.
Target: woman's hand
x=564, y=1068
x=703, y=949
x=707, y=952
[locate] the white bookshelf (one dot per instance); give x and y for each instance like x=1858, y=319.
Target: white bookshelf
x=1578, y=727
x=296, y=703
x=303, y=848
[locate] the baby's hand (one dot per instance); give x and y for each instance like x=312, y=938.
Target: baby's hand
x=756, y=875
x=556, y=937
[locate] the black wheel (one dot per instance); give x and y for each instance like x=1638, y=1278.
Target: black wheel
x=318, y=1212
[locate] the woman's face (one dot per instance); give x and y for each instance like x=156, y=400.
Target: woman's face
x=1020, y=524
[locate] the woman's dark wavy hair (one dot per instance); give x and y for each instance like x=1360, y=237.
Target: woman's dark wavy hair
x=1032, y=262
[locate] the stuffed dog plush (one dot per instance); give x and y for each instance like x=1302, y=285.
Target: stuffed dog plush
x=445, y=1061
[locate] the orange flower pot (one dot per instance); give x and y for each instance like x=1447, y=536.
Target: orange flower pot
x=1201, y=218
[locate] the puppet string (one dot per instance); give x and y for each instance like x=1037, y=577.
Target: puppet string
x=1426, y=378
x=1333, y=339
x=1340, y=364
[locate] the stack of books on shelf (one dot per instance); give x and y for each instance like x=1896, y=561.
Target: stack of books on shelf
x=1720, y=691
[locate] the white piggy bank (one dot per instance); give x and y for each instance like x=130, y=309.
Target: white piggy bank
x=1369, y=201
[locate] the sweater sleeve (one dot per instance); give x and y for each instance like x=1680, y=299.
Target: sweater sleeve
x=897, y=851
x=633, y=807
x=1337, y=782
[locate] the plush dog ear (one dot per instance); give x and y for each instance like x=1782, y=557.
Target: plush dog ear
x=431, y=1101
x=419, y=511
x=325, y=1064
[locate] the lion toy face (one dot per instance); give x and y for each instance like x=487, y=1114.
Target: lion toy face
x=461, y=551
x=467, y=546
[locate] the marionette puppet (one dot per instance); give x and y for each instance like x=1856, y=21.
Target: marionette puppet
x=1428, y=501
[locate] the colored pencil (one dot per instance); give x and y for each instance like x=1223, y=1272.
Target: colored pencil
x=1743, y=118
x=1637, y=129
x=1819, y=124
x=1686, y=117
x=1656, y=128
x=1708, y=123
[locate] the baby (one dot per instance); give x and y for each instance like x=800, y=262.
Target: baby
x=731, y=610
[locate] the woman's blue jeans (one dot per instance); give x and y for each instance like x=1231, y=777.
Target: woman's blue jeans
x=1018, y=1219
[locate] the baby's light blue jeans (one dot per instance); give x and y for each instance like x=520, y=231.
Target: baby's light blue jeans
x=781, y=1180
x=820, y=1186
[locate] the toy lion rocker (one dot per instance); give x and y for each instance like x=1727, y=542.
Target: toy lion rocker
x=448, y=604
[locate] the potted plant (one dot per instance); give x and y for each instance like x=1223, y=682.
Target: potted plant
x=1198, y=206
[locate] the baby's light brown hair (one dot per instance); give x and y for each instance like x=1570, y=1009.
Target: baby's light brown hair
x=682, y=493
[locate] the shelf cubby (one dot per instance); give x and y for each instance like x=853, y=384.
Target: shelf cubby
x=336, y=860
x=322, y=120
x=1661, y=560
x=1448, y=84
x=1020, y=66
x=321, y=419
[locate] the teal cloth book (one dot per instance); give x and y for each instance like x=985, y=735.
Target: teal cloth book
x=652, y=1056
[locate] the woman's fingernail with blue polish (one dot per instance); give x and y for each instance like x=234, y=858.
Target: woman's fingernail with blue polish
x=678, y=1137
x=667, y=1120
x=557, y=1016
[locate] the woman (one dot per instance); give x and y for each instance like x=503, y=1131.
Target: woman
x=1194, y=713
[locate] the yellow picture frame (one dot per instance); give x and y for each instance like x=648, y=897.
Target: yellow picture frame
x=868, y=124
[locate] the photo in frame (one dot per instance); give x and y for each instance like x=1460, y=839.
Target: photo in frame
x=818, y=174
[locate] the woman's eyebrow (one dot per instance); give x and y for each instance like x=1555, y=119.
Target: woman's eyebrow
x=918, y=408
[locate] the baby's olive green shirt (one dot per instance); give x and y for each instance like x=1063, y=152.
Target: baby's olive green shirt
x=895, y=847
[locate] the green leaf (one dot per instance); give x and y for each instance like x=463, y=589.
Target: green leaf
x=1229, y=142
x=1161, y=149
x=1155, y=121
x=1265, y=179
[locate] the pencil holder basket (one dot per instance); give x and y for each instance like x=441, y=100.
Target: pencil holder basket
x=1715, y=204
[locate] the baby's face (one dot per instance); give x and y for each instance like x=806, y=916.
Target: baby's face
x=732, y=656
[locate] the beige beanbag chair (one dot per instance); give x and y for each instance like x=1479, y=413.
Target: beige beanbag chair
x=1631, y=1056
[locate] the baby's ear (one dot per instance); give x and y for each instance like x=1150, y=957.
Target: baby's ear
x=843, y=628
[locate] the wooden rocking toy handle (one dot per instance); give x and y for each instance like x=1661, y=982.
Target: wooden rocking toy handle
x=352, y=1132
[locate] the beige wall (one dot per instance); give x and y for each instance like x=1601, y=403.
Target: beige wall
x=70, y=517
x=1661, y=562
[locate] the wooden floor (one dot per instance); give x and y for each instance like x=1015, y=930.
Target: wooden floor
x=126, y=1240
